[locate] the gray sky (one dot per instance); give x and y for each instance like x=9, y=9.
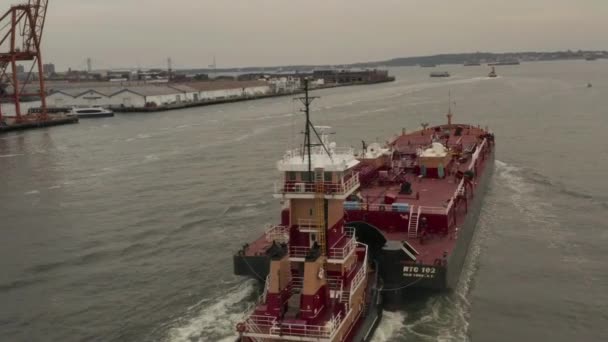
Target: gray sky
x=118, y=33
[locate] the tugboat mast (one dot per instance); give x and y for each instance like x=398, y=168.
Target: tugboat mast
x=306, y=101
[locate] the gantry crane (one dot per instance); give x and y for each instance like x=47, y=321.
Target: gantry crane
x=20, y=39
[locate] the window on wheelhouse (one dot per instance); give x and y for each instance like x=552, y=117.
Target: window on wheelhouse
x=305, y=176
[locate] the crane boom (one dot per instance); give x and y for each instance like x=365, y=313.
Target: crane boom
x=21, y=30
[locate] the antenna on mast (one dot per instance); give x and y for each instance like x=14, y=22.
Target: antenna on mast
x=306, y=101
x=449, y=115
x=170, y=69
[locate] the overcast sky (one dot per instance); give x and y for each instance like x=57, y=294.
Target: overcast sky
x=115, y=33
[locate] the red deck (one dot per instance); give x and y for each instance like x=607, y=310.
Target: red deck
x=433, y=195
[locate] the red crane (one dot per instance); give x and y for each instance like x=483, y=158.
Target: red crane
x=20, y=39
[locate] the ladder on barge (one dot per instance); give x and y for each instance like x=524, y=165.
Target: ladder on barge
x=412, y=230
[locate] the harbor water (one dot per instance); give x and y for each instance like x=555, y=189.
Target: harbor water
x=123, y=228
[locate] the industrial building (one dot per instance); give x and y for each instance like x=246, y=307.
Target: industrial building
x=153, y=95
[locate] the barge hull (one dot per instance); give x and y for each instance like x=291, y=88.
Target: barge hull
x=399, y=275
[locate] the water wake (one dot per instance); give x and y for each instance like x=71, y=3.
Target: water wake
x=214, y=320
x=390, y=326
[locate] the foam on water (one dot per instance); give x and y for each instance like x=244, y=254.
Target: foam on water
x=9, y=155
x=532, y=208
x=215, y=320
x=390, y=326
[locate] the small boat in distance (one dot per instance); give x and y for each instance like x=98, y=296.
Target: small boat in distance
x=505, y=62
x=589, y=85
x=440, y=74
x=492, y=73
x=91, y=112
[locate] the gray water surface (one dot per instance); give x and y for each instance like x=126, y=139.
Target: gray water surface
x=123, y=229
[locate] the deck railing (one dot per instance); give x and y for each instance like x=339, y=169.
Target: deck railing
x=389, y=207
x=308, y=225
x=268, y=325
x=297, y=283
x=299, y=153
x=333, y=252
x=339, y=253
x=344, y=251
x=277, y=233
x=360, y=276
x=476, y=154
x=299, y=187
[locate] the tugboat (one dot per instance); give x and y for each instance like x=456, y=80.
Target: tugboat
x=414, y=202
x=321, y=283
x=440, y=74
x=492, y=73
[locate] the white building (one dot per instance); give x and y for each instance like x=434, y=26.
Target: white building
x=284, y=84
x=141, y=95
x=221, y=90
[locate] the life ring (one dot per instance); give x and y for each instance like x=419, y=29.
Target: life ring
x=241, y=327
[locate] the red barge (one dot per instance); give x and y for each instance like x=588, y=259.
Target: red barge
x=411, y=204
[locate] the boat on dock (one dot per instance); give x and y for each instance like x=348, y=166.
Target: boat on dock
x=91, y=112
x=413, y=202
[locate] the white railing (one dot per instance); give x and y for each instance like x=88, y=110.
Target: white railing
x=299, y=153
x=389, y=207
x=298, y=251
x=297, y=187
x=453, y=199
x=351, y=183
x=344, y=251
x=334, y=283
x=357, y=279
x=308, y=225
x=360, y=276
x=433, y=210
x=260, y=323
x=308, y=330
x=476, y=154
x=277, y=233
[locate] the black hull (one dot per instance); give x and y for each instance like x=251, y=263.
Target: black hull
x=91, y=116
x=399, y=277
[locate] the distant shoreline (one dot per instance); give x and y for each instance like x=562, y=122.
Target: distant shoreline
x=456, y=58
